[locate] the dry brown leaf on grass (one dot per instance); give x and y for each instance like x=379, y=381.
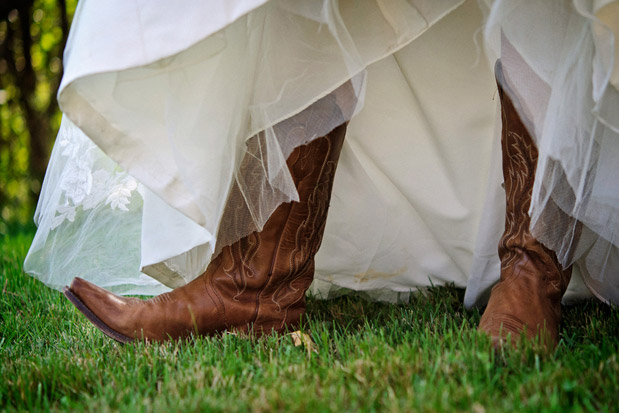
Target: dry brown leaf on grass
x=301, y=339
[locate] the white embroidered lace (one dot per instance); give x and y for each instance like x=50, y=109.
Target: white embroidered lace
x=86, y=183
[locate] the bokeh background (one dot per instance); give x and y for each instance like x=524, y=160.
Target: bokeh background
x=32, y=38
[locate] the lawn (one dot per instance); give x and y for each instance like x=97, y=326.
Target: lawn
x=423, y=356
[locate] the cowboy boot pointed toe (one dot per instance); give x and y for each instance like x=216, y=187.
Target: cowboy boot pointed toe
x=100, y=307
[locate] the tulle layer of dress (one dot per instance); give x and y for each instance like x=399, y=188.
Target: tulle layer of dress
x=565, y=78
x=169, y=127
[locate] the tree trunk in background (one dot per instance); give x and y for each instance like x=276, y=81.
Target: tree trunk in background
x=33, y=34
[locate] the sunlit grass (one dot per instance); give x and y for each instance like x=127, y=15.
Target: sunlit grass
x=424, y=356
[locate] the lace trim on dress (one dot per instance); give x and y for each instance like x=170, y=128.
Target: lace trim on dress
x=84, y=185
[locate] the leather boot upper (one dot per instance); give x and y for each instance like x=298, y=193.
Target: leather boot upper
x=258, y=282
x=528, y=295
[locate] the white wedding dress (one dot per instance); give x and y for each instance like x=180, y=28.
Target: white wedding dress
x=161, y=103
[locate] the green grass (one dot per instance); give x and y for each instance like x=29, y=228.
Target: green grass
x=424, y=356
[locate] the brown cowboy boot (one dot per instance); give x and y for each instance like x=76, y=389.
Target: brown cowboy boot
x=256, y=284
x=528, y=296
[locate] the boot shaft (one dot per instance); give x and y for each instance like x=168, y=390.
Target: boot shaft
x=520, y=157
x=532, y=283
x=263, y=277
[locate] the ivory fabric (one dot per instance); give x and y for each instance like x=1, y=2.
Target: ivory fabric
x=162, y=104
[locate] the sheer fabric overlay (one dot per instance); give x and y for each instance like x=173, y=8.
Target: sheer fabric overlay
x=563, y=87
x=188, y=125
x=89, y=220
x=154, y=120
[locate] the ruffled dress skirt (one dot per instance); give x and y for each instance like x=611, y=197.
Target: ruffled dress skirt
x=175, y=116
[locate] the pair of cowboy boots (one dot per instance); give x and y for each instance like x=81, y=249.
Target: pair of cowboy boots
x=259, y=282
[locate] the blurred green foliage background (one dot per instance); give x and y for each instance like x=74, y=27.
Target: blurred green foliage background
x=32, y=38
